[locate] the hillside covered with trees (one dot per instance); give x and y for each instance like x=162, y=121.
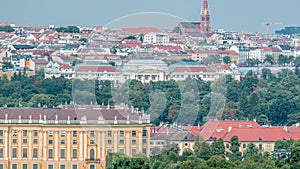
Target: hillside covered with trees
x=270, y=99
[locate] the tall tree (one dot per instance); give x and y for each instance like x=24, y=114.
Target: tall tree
x=218, y=147
x=235, y=153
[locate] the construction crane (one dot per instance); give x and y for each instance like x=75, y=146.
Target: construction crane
x=269, y=24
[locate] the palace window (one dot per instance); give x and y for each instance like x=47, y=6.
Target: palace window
x=24, y=132
x=24, y=153
x=62, y=133
x=133, y=133
x=35, y=133
x=35, y=153
x=50, y=153
x=121, y=133
x=109, y=133
x=74, y=153
x=74, y=133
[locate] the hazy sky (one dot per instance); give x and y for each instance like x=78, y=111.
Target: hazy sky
x=231, y=15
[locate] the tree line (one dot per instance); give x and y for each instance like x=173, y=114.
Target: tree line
x=210, y=156
x=270, y=99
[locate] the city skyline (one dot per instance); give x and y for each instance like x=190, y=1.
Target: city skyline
x=232, y=15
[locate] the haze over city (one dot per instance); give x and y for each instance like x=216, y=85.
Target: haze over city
x=231, y=15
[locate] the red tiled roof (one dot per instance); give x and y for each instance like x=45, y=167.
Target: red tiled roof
x=167, y=47
x=202, y=51
x=192, y=69
x=217, y=129
x=266, y=48
x=141, y=30
x=254, y=134
x=194, y=129
x=221, y=66
x=65, y=66
x=96, y=69
x=227, y=52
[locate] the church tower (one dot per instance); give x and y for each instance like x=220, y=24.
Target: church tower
x=205, y=18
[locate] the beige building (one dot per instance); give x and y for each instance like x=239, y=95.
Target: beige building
x=70, y=137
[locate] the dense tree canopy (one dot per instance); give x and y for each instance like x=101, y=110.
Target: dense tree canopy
x=6, y=29
x=251, y=159
x=270, y=99
x=69, y=29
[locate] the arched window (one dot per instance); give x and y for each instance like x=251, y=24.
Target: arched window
x=92, y=154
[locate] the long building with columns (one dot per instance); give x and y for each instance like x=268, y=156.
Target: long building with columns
x=77, y=137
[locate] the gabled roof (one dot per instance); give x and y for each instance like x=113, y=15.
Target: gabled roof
x=192, y=69
x=271, y=134
x=217, y=129
x=96, y=69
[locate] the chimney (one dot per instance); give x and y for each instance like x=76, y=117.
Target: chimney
x=285, y=128
x=198, y=126
x=297, y=124
x=254, y=120
x=229, y=129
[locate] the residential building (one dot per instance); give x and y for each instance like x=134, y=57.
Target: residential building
x=156, y=38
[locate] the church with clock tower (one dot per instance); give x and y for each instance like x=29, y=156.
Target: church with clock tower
x=197, y=29
x=205, y=18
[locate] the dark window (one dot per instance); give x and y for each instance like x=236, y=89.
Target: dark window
x=74, y=166
x=74, y=153
x=1, y=152
x=24, y=152
x=35, y=153
x=35, y=133
x=50, y=153
x=24, y=166
x=14, y=166
x=74, y=133
x=34, y=166
x=92, y=154
x=92, y=133
x=109, y=133
x=133, y=141
x=62, y=153
x=144, y=132
x=35, y=141
x=121, y=133
x=24, y=132
x=14, y=153
x=133, y=133
x=63, y=133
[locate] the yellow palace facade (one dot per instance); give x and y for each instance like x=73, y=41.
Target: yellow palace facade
x=70, y=137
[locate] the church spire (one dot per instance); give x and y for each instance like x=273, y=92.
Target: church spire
x=205, y=18
x=205, y=4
